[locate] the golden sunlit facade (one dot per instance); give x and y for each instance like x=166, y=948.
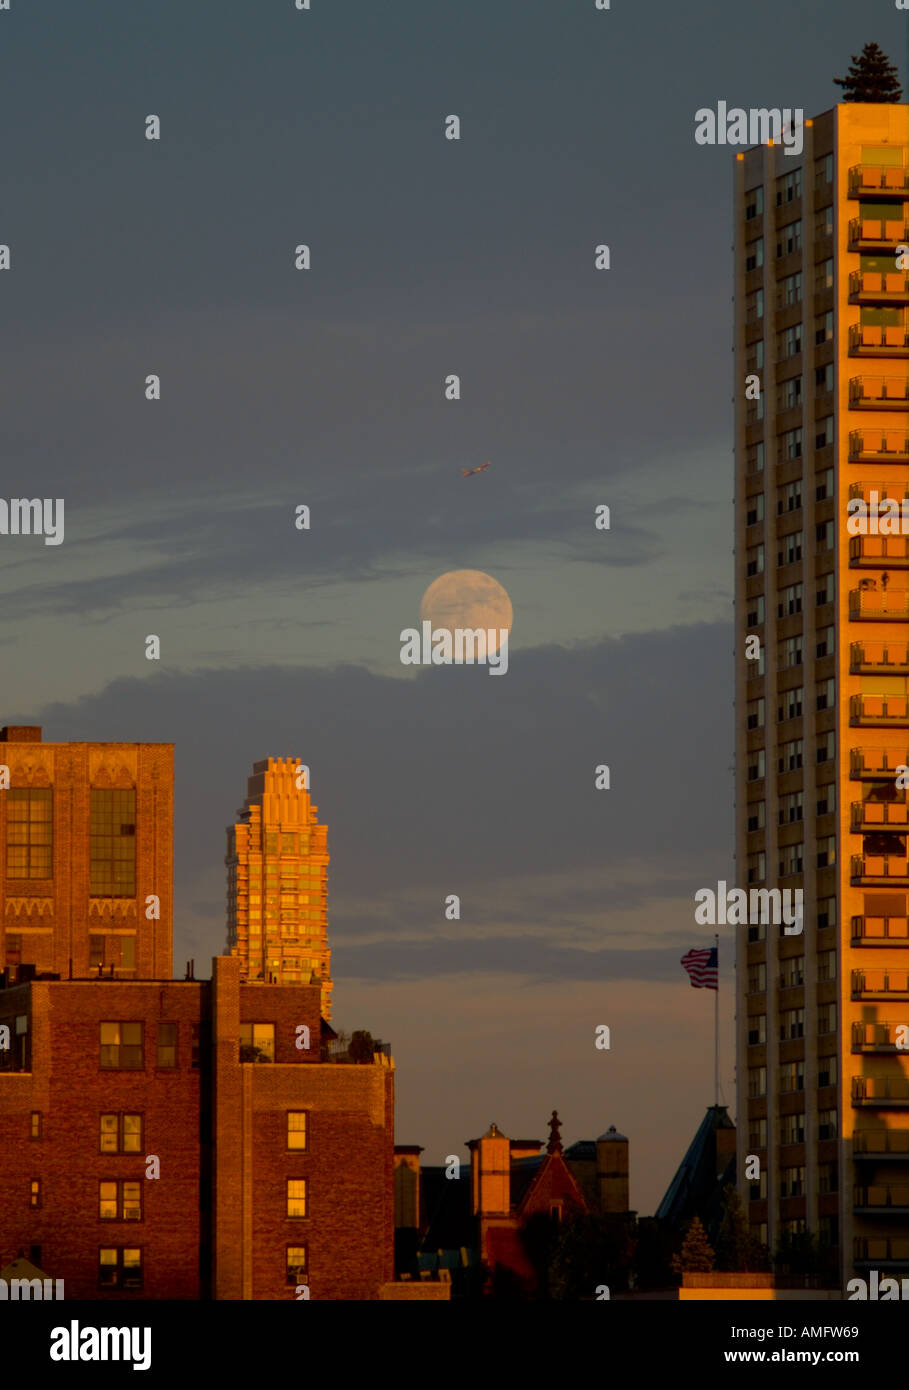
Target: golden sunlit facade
x=822, y=713
x=277, y=867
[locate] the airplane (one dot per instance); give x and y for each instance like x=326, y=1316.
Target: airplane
x=468, y=472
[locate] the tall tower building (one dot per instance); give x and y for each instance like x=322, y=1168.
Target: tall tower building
x=822, y=713
x=87, y=843
x=277, y=882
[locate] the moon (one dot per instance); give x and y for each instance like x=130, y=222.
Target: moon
x=467, y=599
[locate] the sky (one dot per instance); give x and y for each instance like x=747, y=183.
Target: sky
x=325, y=388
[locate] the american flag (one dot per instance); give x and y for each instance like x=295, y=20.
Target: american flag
x=702, y=967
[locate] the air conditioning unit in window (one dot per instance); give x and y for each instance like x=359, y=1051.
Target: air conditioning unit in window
x=131, y=1216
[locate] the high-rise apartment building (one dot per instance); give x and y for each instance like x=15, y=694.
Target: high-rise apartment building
x=277, y=881
x=822, y=711
x=87, y=869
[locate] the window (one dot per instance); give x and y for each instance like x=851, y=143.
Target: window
x=754, y=560
x=754, y=509
x=823, y=170
x=257, y=1042
x=119, y=1268
x=756, y=815
x=826, y=637
x=791, y=704
x=791, y=551
x=756, y=765
x=826, y=695
x=296, y=1264
x=790, y=290
x=792, y=1182
x=757, y=1191
x=826, y=851
x=790, y=808
x=790, y=601
x=757, y=866
x=826, y=965
x=789, y=187
x=296, y=1129
x=792, y=1129
x=127, y=952
x=35, y=1131
x=757, y=1133
x=167, y=1044
x=826, y=912
x=790, y=445
x=825, y=593
x=823, y=279
x=825, y=536
x=95, y=952
x=827, y=1178
x=34, y=1196
x=824, y=434
x=826, y=1124
x=792, y=972
x=119, y=1200
x=754, y=254
x=790, y=239
x=826, y=1070
x=113, y=843
x=121, y=1046
x=792, y=1076
x=755, y=458
x=823, y=378
x=757, y=1030
x=826, y=802
x=823, y=327
x=754, y=306
x=789, y=498
x=29, y=832
x=790, y=756
x=792, y=1025
x=753, y=618
x=757, y=1082
x=823, y=222
x=296, y=1197
x=754, y=203
x=755, y=713
x=791, y=859
x=757, y=979
x=790, y=393
x=789, y=342
x=790, y=651
x=826, y=1019
x=121, y=1134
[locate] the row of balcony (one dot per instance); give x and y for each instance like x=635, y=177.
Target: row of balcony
x=879, y=446
x=880, y=1036
x=868, y=930
x=881, y=1145
x=882, y=658
x=876, y=340
x=878, y=287
x=872, y=233
x=880, y=984
x=881, y=1200
x=878, y=392
x=878, y=711
x=881, y=1252
x=885, y=1092
x=870, y=604
x=887, y=489
x=872, y=178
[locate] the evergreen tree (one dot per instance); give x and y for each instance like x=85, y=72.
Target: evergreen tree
x=736, y=1248
x=872, y=77
x=697, y=1256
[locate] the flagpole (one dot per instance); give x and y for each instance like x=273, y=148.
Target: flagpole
x=716, y=1027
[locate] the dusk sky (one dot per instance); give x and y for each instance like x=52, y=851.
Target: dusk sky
x=324, y=387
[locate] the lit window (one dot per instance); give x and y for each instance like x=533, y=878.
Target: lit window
x=296, y=1197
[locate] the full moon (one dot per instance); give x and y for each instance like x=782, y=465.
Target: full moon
x=467, y=599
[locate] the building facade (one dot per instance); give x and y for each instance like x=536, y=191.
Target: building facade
x=822, y=703
x=277, y=881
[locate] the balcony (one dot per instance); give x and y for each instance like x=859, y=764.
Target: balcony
x=881, y=1145
x=878, y=711
x=877, y=870
x=871, y=816
x=881, y=1252
x=870, y=179
x=879, y=658
x=880, y=931
x=880, y=1092
x=878, y=393
x=875, y=234
x=873, y=764
x=892, y=489
x=872, y=605
x=881, y=984
x=873, y=287
x=881, y=1200
x=878, y=446
x=878, y=552
x=872, y=340
x=876, y=1037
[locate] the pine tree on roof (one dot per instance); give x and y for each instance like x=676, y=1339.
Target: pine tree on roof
x=872, y=77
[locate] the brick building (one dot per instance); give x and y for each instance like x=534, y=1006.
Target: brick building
x=167, y=1139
